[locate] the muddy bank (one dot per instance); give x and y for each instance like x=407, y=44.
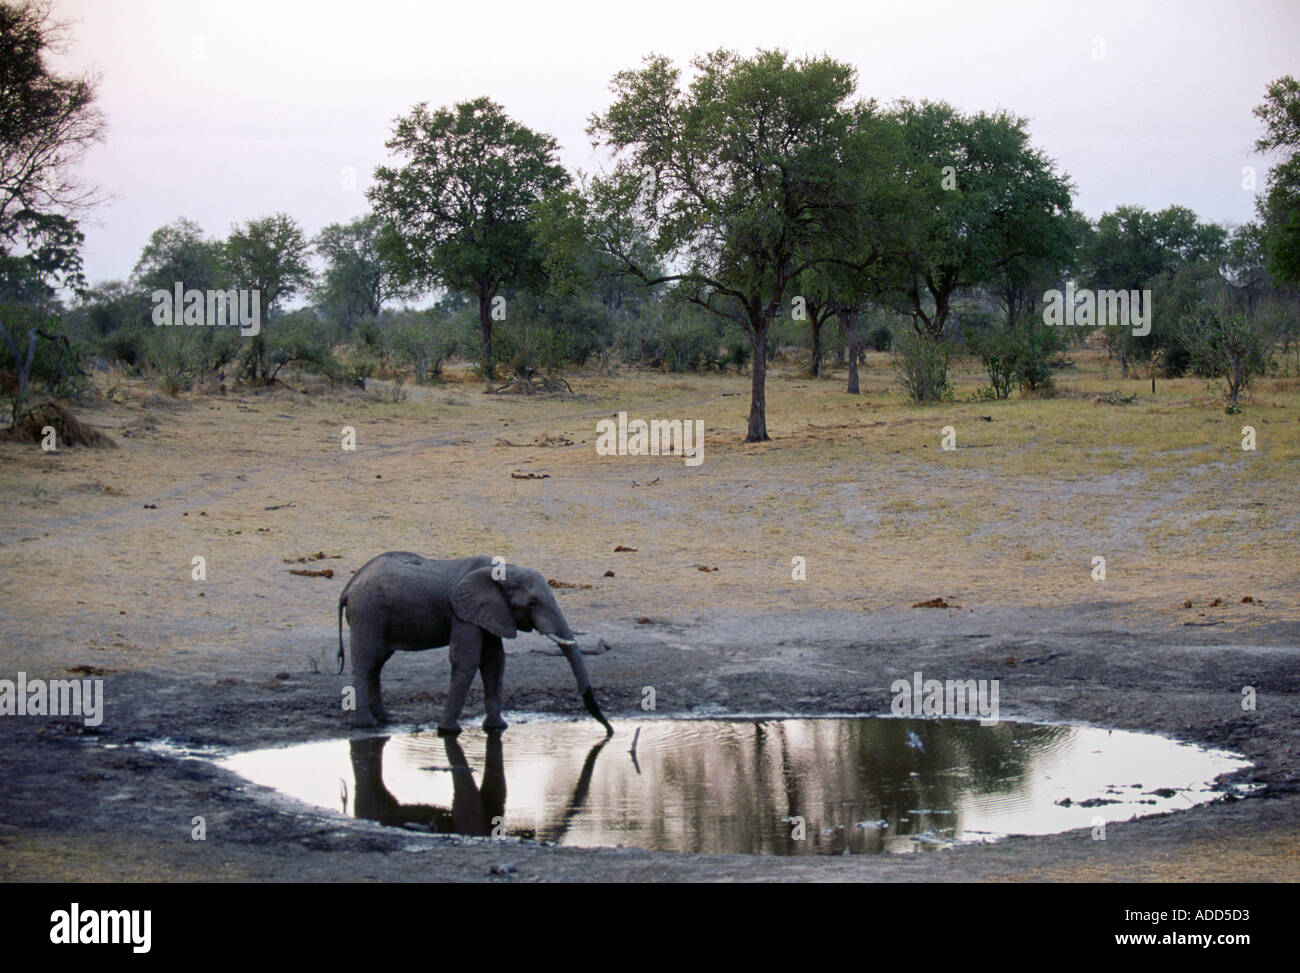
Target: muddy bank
x=89, y=804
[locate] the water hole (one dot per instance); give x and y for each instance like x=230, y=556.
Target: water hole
x=771, y=786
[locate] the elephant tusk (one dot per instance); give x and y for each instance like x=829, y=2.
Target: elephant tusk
x=563, y=643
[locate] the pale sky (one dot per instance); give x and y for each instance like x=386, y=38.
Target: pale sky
x=226, y=111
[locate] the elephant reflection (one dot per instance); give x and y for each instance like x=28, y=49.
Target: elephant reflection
x=473, y=807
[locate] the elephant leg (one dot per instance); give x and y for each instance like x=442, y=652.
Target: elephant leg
x=369, y=653
x=492, y=667
x=377, y=709
x=466, y=652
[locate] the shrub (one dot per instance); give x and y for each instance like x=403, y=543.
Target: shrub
x=1231, y=345
x=879, y=338
x=922, y=366
x=423, y=346
x=999, y=352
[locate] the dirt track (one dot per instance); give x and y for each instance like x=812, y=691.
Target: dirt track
x=91, y=575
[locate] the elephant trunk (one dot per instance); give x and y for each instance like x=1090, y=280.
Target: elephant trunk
x=571, y=652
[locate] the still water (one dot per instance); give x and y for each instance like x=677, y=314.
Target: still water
x=751, y=786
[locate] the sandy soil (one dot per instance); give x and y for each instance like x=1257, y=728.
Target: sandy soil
x=96, y=552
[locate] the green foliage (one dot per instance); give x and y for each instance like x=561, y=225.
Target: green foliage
x=357, y=278
x=34, y=349
x=179, y=253
x=548, y=332
x=730, y=178
x=1279, y=208
x=1000, y=353
x=423, y=341
x=1004, y=215
x=879, y=338
x=1168, y=251
x=178, y=356
x=127, y=345
x=459, y=214
x=922, y=366
x=1038, y=344
x=267, y=255
x=300, y=339
x=1230, y=344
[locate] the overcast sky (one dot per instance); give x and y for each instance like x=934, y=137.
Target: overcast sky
x=226, y=111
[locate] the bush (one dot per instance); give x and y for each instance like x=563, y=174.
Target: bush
x=55, y=365
x=303, y=340
x=922, y=367
x=1034, y=370
x=126, y=345
x=1231, y=345
x=424, y=346
x=879, y=338
x=1016, y=357
x=999, y=352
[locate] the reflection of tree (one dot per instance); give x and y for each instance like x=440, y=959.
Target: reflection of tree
x=726, y=786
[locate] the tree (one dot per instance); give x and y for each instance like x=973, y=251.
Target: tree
x=180, y=253
x=730, y=179
x=1244, y=263
x=866, y=243
x=459, y=213
x=267, y=255
x=47, y=122
x=357, y=278
x=1279, y=209
x=994, y=209
x=1230, y=344
x=1131, y=247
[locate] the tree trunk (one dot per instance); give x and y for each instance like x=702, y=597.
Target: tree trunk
x=817, y=346
x=855, y=351
x=23, y=366
x=485, y=335
x=758, y=385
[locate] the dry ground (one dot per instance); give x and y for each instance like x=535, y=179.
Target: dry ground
x=96, y=552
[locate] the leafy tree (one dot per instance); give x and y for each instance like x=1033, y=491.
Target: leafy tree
x=422, y=343
x=730, y=179
x=1280, y=207
x=1230, y=344
x=1244, y=263
x=267, y=255
x=47, y=121
x=1130, y=248
x=994, y=210
x=357, y=278
x=864, y=250
x=459, y=213
x=110, y=306
x=180, y=253
x=302, y=339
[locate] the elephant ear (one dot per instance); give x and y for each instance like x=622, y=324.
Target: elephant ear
x=479, y=600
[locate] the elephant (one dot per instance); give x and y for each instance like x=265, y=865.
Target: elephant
x=402, y=601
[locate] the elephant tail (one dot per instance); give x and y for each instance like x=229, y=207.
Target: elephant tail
x=342, y=602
